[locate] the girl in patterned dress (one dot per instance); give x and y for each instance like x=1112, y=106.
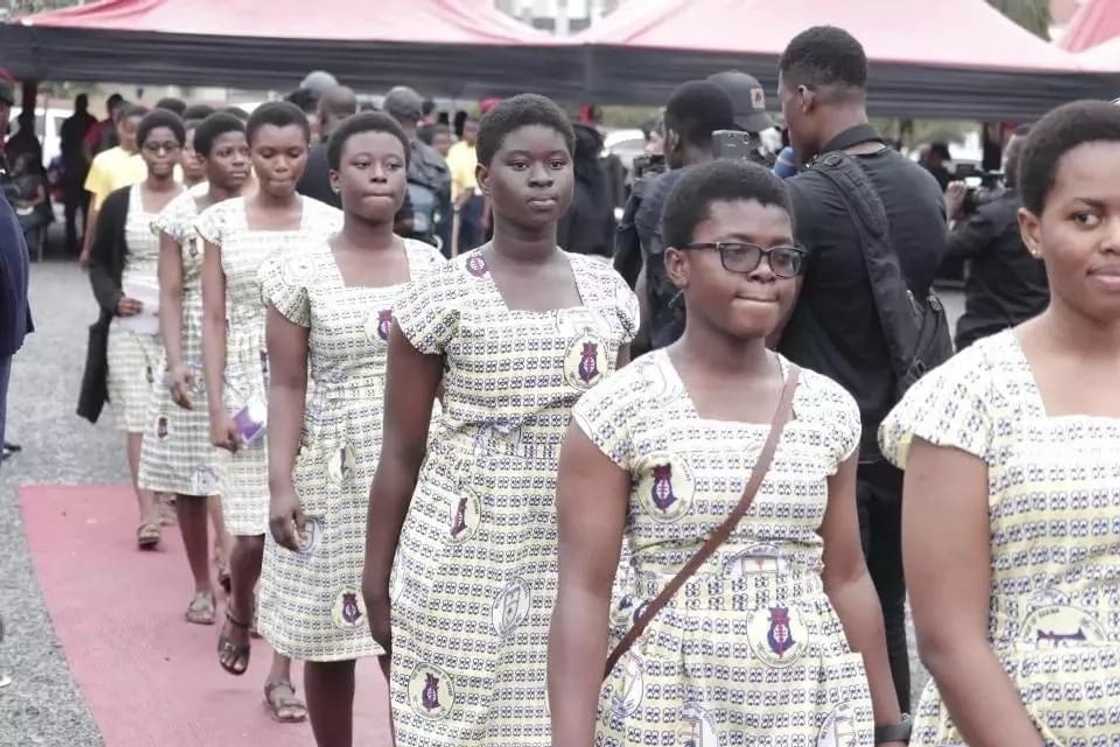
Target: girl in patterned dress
x=134, y=355
x=774, y=640
x=178, y=457
x=514, y=332
x=333, y=300
x=1011, y=508
x=240, y=235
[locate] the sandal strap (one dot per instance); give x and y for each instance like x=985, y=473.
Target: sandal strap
x=234, y=621
x=272, y=685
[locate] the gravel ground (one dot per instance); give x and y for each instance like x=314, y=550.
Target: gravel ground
x=43, y=706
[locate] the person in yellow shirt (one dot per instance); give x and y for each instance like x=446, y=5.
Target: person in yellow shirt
x=462, y=161
x=112, y=169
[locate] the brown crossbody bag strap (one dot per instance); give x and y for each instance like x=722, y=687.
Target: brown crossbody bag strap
x=724, y=530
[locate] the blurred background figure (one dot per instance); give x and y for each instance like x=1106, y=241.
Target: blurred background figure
x=75, y=168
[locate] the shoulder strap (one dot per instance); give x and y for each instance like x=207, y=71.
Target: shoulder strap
x=724, y=530
x=894, y=303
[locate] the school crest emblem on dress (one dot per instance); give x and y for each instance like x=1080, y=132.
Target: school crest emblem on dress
x=629, y=686
x=476, y=265
x=1060, y=626
x=586, y=361
x=466, y=514
x=431, y=692
x=666, y=488
x=511, y=606
x=349, y=609
x=839, y=728
x=778, y=636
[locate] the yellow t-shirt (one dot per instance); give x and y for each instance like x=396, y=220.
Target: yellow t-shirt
x=111, y=170
x=462, y=160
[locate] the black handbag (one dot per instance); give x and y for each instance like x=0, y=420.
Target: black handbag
x=95, y=378
x=916, y=330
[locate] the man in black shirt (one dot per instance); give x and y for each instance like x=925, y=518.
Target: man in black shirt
x=335, y=105
x=1006, y=285
x=834, y=327
x=695, y=110
x=75, y=167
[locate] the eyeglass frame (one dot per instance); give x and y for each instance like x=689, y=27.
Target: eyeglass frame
x=719, y=246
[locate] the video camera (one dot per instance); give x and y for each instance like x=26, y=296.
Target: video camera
x=983, y=186
x=649, y=165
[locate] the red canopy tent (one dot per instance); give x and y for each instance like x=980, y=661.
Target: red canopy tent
x=1095, y=22
x=453, y=47
x=956, y=58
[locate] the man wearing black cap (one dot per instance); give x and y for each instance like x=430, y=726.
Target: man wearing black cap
x=429, y=179
x=748, y=99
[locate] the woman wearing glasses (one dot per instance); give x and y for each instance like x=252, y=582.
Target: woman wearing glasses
x=778, y=637
x=123, y=267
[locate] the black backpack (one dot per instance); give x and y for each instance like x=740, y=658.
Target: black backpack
x=916, y=330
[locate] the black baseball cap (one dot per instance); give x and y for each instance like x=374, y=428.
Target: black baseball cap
x=747, y=97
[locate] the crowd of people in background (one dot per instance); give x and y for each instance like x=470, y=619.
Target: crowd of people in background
x=436, y=408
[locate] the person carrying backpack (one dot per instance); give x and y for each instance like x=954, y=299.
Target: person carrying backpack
x=429, y=179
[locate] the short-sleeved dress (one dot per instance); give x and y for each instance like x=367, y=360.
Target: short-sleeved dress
x=134, y=357
x=311, y=606
x=1054, y=514
x=177, y=456
x=750, y=650
x=244, y=250
x=475, y=575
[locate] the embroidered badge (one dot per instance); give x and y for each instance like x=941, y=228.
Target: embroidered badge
x=476, y=265
x=162, y=427
x=778, y=636
x=630, y=689
x=466, y=514
x=349, y=609
x=340, y=465
x=511, y=606
x=431, y=692
x=839, y=728
x=192, y=246
x=1059, y=626
x=666, y=488
x=697, y=730
x=384, y=322
x=204, y=480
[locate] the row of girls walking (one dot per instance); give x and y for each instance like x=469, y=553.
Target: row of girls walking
x=455, y=467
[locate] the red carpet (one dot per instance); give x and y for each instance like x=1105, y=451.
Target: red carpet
x=148, y=676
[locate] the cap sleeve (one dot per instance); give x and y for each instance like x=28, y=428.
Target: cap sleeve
x=606, y=412
x=284, y=286
x=211, y=224
x=427, y=312
x=948, y=407
x=838, y=415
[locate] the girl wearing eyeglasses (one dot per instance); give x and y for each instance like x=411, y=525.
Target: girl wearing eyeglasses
x=123, y=265
x=778, y=637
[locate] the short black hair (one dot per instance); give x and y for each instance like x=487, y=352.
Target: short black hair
x=359, y=123
x=1057, y=133
x=161, y=118
x=212, y=128
x=113, y=101
x=427, y=107
x=717, y=181
x=277, y=114
x=824, y=56
x=304, y=98
x=198, y=111
x=172, y=104
x=517, y=112
x=236, y=111
x=698, y=108
x=132, y=110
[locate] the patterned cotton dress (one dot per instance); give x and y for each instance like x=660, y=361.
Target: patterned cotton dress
x=750, y=650
x=311, y=606
x=178, y=457
x=1054, y=513
x=475, y=575
x=134, y=358
x=244, y=250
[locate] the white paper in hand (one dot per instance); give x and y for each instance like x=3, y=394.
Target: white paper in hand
x=147, y=293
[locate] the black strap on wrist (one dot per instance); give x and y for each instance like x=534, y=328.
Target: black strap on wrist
x=899, y=732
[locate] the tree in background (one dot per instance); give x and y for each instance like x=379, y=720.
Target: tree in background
x=1033, y=15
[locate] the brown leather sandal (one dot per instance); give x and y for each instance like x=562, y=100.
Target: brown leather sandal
x=286, y=710
x=201, y=609
x=148, y=535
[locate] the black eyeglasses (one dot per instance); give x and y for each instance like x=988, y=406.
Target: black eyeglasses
x=739, y=256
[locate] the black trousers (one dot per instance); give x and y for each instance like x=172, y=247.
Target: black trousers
x=879, y=500
x=77, y=200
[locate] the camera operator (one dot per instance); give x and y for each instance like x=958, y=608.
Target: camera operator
x=694, y=111
x=1006, y=285
x=749, y=102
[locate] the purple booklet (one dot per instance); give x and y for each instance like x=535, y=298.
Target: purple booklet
x=251, y=422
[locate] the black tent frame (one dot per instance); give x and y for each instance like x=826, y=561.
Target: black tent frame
x=574, y=73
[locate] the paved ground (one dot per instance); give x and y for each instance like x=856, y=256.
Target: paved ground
x=43, y=706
